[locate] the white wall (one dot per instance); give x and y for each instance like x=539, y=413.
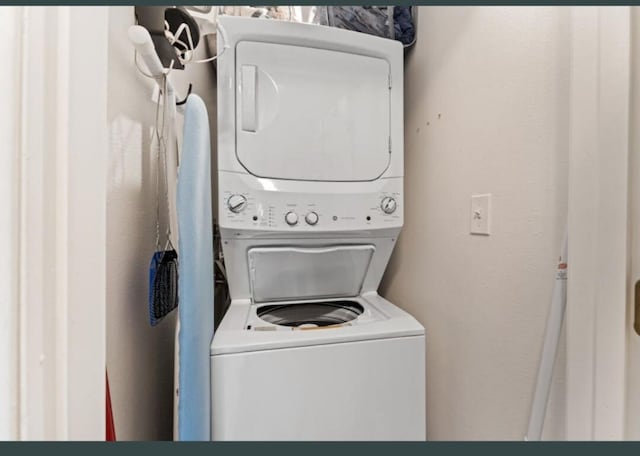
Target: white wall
x=486, y=111
x=139, y=357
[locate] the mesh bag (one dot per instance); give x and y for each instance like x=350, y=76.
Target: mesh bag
x=163, y=285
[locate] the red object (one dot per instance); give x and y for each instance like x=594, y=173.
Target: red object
x=111, y=429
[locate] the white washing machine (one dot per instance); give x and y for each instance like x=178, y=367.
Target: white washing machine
x=310, y=172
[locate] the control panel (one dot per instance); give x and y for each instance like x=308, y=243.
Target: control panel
x=257, y=208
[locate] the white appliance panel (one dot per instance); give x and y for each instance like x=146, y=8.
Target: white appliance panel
x=311, y=114
x=281, y=273
x=380, y=320
x=236, y=250
x=368, y=390
x=339, y=206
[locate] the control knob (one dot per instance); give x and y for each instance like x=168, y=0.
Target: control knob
x=311, y=218
x=291, y=218
x=388, y=205
x=236, y=203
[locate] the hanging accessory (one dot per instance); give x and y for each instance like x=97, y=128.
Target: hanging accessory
x=172, y=35
x=163, y=270
x=182, y=31
x=154, y=20
x=223, y=34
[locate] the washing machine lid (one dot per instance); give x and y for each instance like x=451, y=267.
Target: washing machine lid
x=297, y=273
x=311, y=114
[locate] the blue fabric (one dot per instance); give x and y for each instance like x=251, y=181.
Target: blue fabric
x=195, y=279
x=404, y=30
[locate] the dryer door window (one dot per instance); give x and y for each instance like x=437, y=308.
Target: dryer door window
x=311, y=114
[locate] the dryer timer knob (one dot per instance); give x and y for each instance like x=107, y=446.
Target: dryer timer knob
x=388, y=205
x=236, y=203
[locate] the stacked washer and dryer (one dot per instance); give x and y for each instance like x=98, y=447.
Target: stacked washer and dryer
x=310, y=175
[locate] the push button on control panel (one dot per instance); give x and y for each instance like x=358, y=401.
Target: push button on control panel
x=291, y=218
x=311, y=218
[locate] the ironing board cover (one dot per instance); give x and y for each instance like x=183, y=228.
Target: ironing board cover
x=195, y=275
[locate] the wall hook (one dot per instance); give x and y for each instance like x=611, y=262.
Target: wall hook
x=179, y=103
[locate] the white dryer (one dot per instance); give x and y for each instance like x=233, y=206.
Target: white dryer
x=310, y=173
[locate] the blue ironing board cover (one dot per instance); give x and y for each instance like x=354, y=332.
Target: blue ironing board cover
x=195, y=279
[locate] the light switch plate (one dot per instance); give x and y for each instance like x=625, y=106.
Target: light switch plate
x=480, y=216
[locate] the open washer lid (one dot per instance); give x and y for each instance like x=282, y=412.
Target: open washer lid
x=296, y=273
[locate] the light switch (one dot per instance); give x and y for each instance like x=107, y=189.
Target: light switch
x=480, y=214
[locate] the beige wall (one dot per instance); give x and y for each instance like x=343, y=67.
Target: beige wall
x=139, y=357
x=486, y=111
x=633, y=350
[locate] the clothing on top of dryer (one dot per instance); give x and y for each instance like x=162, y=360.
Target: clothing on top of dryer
x=403, y=27
x=393, y=22
x=373, y=20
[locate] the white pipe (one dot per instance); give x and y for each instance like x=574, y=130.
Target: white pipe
x=549, y=348
x=141, y=40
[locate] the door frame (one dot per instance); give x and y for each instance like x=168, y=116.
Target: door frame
x=56, y=207
x=55, y=284
x=633, y=341
x=597, y=223
x=10, y=23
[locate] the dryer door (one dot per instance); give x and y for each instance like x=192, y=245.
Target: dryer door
x=311, y=114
